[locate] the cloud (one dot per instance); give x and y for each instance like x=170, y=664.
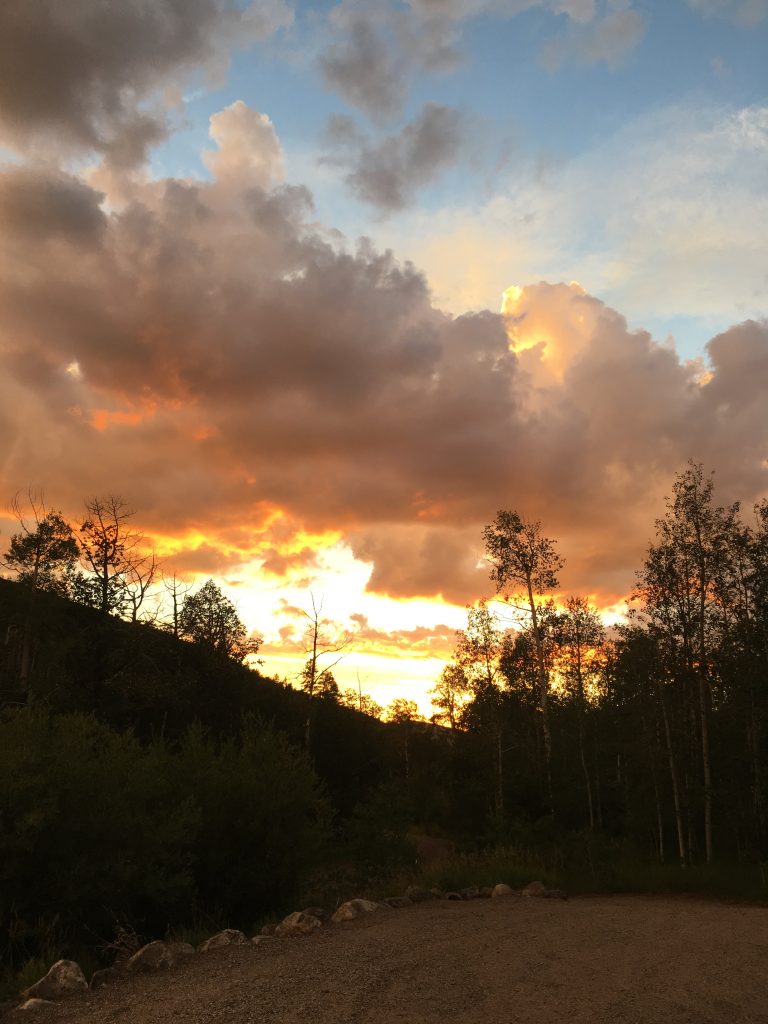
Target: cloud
x=743, y=12
x=661, y=220
x=377, y=48
x=388, y=174
x=606, y=40
x=249, y=152
x=88, y=76
x=247, y=382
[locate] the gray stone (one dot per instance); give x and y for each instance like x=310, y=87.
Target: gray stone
x=152, y=957
x=501, y=890
x=534, y=889
x=65, y=978
x=354, y=908
x=297, y=923
x=228, y=937
x=179, y=951
x=470, y=893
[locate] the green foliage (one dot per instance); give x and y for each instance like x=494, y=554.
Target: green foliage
x=96, y=829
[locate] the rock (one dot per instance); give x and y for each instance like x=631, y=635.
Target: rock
x=486, y=891
x=298, y=923
x=258, y=939
x=437, y=894
x=228, y=937
x=320, y=913
x=398, y=902
x=179, y=951
x=535, y=889
x=555, y=894
x=453, y=896
x=418, y=895
x=152, y=957
x=35, y=1004
x=470, y=893
x=354, y=908
x=106, y=976
x=65, y=978
x=501, y=890
x=268, y=929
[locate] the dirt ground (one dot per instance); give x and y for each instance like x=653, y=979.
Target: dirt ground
x=507, y=961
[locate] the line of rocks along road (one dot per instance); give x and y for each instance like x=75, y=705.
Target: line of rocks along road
x=594, y=959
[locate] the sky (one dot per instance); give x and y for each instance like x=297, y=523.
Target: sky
x=318, y=288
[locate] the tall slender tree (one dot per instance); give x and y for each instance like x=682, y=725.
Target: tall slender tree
x=524, y=564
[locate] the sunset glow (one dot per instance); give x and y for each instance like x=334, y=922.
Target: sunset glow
x=264, y=311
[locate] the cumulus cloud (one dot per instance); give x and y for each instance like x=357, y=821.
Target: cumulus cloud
x=247, y=382
x=79, y=75
x=249, y=152
x=389, y=173
x=660, y=220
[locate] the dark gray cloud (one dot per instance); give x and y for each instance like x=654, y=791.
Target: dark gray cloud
x=209, y=354
x=77, y=74
x=388, y=173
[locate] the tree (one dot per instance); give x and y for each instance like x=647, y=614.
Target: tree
x=448, y=695
x=113, y=552
x=44, y=552
x=682, y=586
x=403, y=712
x=209, y=618
x=579, y=636
x=43, y=555
x=320, y=642
x=525, y=563
x=477, y=652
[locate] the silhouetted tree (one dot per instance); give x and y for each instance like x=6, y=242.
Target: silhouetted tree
x=525, y=564
x=209, y=618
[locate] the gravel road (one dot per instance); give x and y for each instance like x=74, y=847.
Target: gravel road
x=507, y=961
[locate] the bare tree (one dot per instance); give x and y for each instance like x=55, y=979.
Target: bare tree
x=113, y=551
x=321, y=643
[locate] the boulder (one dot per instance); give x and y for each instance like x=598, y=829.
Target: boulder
x=418, y=895
x=398, y=902
x=535, y=889
x=228, y=937
x=152, y=957
x=453, y=896
x=354, y=908
x=257, y=940
x=486, y=891
x=298, y=923
x=501, y=890
x=65, y=978
x=437, y=894
x=471, y=892
x=106, y=976
x=35, y=1004
x=179, y=951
